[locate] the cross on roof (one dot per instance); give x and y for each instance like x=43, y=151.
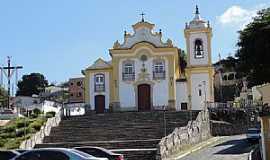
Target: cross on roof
x=142, y=14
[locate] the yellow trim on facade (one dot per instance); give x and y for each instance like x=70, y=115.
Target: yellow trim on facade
x=87, y=73
x=143, y=44
x=208, y=31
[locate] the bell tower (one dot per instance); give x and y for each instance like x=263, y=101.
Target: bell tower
x=198, y=34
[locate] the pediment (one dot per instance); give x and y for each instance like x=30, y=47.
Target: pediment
x=143, y=32
x=100, y=64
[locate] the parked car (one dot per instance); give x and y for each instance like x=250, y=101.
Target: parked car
x=253, y=134
x=55, y=154
x=21, y=150
x=7, y=155
x=100, y=152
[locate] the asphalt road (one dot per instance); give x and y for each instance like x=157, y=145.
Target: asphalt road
x=229, y=148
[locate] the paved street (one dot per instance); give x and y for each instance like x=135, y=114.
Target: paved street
x=229, y=148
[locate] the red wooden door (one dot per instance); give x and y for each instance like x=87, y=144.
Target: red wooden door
x=144, y=95
x=100, y=103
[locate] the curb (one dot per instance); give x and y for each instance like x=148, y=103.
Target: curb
x=196, y=148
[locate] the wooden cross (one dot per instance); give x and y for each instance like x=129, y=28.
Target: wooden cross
x=10, y=70
x=142, y=14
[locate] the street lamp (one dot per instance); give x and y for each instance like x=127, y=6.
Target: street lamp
x=190, y=110
x=204, y=84
x=164, y=120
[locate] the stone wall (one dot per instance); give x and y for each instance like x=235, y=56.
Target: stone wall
x=45, y=130
x=183, y=137
x=221, y=128
x=232, y=121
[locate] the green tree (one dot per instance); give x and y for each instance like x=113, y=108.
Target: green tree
x=33, y=83
x=254, y=49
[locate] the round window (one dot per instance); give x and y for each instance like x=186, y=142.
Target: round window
x=143, y=58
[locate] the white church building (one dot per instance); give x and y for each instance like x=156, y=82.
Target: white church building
x=144, y=72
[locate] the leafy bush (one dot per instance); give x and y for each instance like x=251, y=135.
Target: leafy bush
x=9, y=128
x=8, y=135
x=13, y=143
x=36, y=124
x=50, y=114
x=2, y=142
x=22, y=122
x=37, y=111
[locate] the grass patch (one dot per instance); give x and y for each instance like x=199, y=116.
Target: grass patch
x=18, y=130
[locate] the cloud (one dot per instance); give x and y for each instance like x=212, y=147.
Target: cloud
x=238, y=16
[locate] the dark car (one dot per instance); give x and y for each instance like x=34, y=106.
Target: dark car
x=253, y=134
x=55, y=154
x=100, y=152
x=21, y=150
x=7, y=155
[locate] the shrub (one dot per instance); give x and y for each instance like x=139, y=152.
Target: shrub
x=9, y=128
x=37, y=111
x=50, y=114
x=8, y=135
x=13, y=143
x=22, y=122
x=36, y=124
x=2, y=142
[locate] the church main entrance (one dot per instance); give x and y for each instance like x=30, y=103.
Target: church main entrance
x=99, y=104
x=144, y=97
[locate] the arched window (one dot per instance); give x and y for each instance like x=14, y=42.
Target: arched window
x=128, y=71
x=158, y=69
x=99, y=82
x=198, y=48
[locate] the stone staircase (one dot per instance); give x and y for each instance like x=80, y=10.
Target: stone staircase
x=136, y=134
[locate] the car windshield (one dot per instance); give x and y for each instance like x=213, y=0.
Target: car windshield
x=82, y=153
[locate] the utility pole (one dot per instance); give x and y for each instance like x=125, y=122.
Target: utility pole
x=10, y=70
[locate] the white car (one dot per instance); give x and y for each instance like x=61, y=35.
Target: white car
x=55, y=154
x=253, y=134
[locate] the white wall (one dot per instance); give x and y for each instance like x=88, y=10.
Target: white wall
x=126, y=95
x=24, y=101
x=197, y=79
x=181, y=94
x=49, y=106
x=92, y=93
x=160, y=90
x=143, y=34
x=198, y=61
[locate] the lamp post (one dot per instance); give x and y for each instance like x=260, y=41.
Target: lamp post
x=190, y=110
x=204, y=84
x=164, y=120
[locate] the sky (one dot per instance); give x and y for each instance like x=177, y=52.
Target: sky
x=59, y=38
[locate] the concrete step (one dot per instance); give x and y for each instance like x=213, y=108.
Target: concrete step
x=139, y=132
